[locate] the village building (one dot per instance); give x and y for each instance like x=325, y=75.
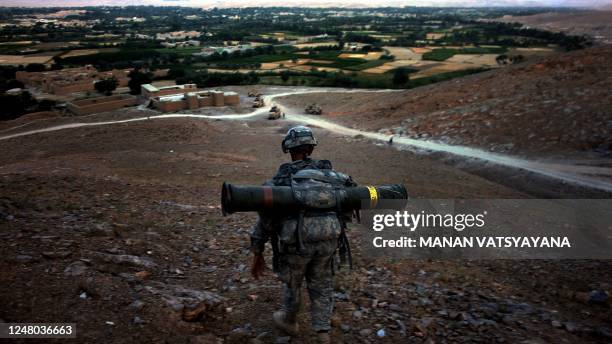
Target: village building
x=189, y=43
x=210, y=50
x=186, y=97
x=195, y=100
x=101, y=104
x=71, y=80
x=177, y=35
x=149, y=91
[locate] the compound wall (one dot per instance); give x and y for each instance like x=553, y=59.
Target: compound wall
x=101, y=104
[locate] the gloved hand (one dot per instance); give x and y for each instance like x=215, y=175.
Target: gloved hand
x=258, y=267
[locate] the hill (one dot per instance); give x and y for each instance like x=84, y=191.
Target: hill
x=557, y=105
x=597, y=23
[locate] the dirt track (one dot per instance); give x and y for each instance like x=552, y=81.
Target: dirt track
x=577, y=174
x=151, y=189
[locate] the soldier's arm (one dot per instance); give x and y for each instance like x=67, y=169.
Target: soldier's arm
x=259, y=237
x=260, y=233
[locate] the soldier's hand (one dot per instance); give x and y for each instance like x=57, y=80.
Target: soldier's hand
x=259, y=264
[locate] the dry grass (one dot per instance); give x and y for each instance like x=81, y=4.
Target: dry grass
x=483, y=60
x=291, y=64
x=305, y=68
x=269, y=65
x=440, y=68
x=404, y=53
x=374, y=55
x=24, y=60
x=384, y=38
x=83, y=52
x=400, y=63
x=17, y=43
x=531, y=51
x=420, y=50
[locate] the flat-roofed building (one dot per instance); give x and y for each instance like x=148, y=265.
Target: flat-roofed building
x=71, y=80
x=150, y=91
x=194, y=100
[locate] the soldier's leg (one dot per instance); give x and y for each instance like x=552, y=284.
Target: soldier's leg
x=293, y=268
x=320, y=289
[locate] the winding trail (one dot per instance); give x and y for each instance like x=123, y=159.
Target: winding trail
x=587, y=176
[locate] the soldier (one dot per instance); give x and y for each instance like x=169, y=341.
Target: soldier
x=295, y=258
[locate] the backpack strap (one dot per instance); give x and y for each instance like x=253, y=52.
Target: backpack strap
x=298, y=236
x=275, y=252
x=344, y=248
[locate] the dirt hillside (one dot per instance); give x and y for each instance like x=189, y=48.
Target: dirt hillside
x=558, y=105
x=597, y=24
x=118, y=229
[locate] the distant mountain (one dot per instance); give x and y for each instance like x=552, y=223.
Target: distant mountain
x=313, y=3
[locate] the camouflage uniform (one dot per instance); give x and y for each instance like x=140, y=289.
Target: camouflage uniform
x=313, y=262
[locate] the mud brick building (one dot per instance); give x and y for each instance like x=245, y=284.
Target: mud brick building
x=149, y=91
x=101, y=104
x=71, y=80
x=195, y=100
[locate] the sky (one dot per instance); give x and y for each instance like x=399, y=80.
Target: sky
x=311, y=3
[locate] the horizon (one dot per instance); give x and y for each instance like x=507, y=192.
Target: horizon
x=349, y=4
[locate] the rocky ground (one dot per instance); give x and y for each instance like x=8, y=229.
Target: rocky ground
x=556, y=107
x=118, y=228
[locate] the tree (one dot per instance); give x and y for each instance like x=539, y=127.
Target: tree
x=137, y=78
x=14, y=106
x=285, y=75
x=174, y=73
x=35, y=67
x=106, y=86
x=6, y=85
x=400, y=77
x=253, y=78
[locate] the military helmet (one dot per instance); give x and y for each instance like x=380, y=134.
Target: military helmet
x=298, y=136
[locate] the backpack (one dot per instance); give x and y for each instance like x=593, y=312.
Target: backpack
x=320, y=218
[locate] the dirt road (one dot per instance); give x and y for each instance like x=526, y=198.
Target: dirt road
x=586, y=176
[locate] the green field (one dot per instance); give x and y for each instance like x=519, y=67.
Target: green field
x=443, y=54
x=186, y=51
x=360, y=80
x=368, y=64
x=262, y=58
x=338, y=63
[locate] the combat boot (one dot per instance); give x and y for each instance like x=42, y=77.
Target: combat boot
x=324, y=338
x=279, y=320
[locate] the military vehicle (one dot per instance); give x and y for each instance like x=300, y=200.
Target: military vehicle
x=254, y=94
x=275, y=112
x=313, y=109
x=258, y=102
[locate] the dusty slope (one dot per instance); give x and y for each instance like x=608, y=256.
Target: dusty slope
x=560, y=104
x=151, y=189
x=597, y=24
